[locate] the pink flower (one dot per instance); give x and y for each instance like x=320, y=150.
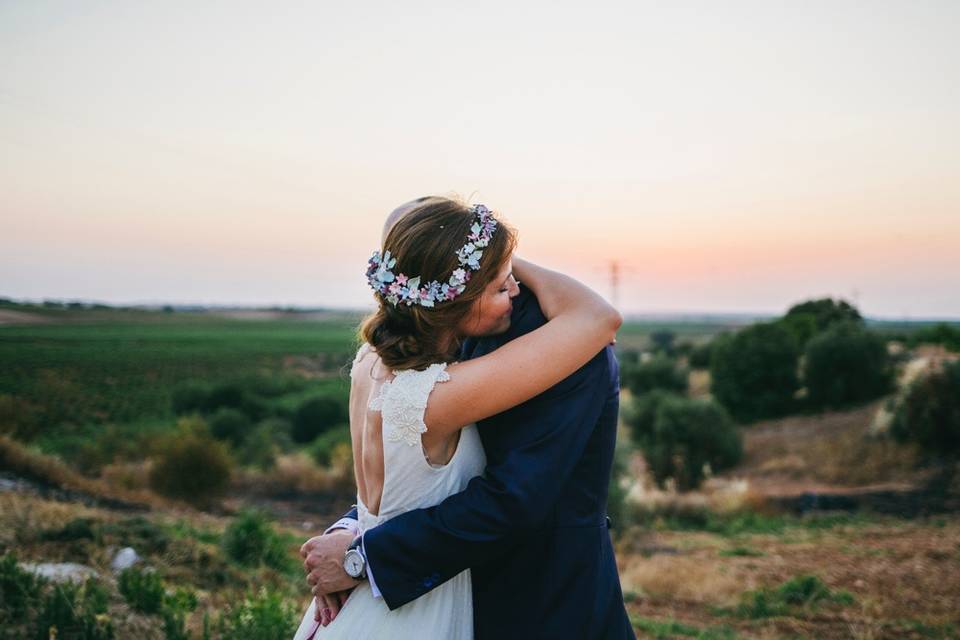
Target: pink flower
x=401, y=279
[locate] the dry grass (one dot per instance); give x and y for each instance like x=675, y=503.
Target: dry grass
x=699, y=383
x=678, y=577
x=130, y=476
x=53, y=473
x=9, y=316
x=904, y=576
x=21, y=517
x=831, y=448
x=297, y=474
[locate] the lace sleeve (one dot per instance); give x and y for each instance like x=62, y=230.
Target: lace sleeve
x=403, y=402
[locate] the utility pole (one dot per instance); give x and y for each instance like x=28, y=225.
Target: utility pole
x=615, y=283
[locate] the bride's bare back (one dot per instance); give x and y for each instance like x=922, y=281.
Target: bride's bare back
x=366, y=429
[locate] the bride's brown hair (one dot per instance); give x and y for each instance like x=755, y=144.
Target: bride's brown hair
x=425, y=242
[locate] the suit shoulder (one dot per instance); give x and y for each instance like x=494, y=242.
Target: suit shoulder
x=596, y=373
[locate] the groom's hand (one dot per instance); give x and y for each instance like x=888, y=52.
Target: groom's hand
x=323, y=562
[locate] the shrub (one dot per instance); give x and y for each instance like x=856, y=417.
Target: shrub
x=263, y=616
x=198, y=397
x=845, y=364
x=260, y=449
x=174, y=614
x=75, y=612
x=754, y=372
x=73, y=530
x=225, y=394
x=279, y=429
x=236, y=395
x=143, y=590
x=940, y=333
x=191, y=465
x=930, y=413
x=32, y=607
x=189, y=397
x=323, y=446
x=700, y=355
x=682, y=348
x=642, y=414
x=680, y=436
x=230, y=425
x=617, y=509
x=660, y=372
x=137, y=532
x=804, y=591
x=109, y=444
x=251, y=541
x=19, y=590
x=680, y=517
x=316, y=415
x=806, y=319
x=662, y=341
x=18, y=417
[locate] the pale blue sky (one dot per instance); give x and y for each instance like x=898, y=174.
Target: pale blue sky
x=733, y=156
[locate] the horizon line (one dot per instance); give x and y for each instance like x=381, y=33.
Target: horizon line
x=687, y=314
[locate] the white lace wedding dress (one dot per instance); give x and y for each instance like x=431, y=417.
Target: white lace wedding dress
x=409, y=482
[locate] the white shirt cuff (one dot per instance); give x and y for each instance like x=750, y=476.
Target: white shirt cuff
x=349, y=524
x=373, y=584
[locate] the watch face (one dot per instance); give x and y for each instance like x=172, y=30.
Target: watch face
x=353, y=564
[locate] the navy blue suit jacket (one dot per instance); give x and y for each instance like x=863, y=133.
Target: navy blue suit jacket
x=533, y=528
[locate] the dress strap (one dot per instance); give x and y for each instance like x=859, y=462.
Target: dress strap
x=403, y=402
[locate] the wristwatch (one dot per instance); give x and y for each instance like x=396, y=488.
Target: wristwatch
x=353, y=561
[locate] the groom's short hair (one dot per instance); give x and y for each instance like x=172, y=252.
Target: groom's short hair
x=399, y=212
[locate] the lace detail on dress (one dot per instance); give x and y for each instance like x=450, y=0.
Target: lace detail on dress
x=403, y=401
x=376, y=402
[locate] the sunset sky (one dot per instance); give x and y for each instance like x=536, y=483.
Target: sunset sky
x=730, y=156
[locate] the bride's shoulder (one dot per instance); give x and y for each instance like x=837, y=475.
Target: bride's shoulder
x=362, y=352
x=365, y=360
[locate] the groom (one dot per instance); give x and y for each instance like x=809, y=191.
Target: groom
x=533, y=528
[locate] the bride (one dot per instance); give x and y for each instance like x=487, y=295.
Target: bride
x=445, y=272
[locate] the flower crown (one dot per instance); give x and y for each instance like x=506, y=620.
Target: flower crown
x=399, y=289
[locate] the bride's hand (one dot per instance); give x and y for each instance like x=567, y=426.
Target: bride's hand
x=329, y=605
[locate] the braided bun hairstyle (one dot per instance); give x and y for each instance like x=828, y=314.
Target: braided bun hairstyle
x=425, y=242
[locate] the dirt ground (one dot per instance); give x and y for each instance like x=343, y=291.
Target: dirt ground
x=904, y=577
x=8, y=316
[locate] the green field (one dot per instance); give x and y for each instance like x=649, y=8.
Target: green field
x=65, y=380
x=74, y=368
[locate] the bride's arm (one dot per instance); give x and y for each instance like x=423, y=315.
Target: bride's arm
x=555, y=291
x=582, y=324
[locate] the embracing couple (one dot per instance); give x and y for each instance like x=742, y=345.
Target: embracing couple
x=483, y=416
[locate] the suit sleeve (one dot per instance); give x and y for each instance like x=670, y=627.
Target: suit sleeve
x=416, y=551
